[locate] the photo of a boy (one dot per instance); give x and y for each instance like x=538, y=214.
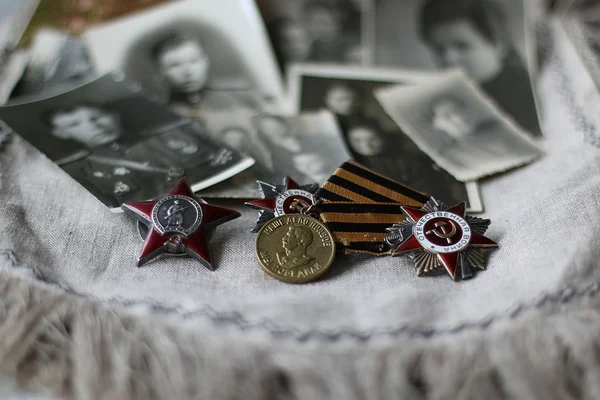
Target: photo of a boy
x=471, y=35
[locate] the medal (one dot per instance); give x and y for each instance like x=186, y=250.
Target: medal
x=177, y=224
x=439, y=237
x=291, y=244
x=360, y=211
x=278, y=200
x=295, y=248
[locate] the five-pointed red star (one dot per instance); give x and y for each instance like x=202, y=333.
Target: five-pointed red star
x=195, y=244
x=448, y=260
x=269, y=202
x=281, y=199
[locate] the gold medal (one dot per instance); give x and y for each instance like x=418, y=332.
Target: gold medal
x=295, y=248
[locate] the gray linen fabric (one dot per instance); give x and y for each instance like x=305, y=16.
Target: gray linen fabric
x=81, y=320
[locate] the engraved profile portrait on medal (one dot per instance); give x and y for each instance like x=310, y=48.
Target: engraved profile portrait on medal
x=295, y=248
x=295, y=245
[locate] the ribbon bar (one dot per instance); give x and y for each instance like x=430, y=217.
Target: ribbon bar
x=352, y=182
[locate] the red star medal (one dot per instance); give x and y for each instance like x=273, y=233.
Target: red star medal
x=278, y=200
x=177, y=224
x=438, y=236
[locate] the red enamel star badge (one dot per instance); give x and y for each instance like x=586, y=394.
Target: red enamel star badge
x=441, y=236
x=177, y=224
x=278, y=200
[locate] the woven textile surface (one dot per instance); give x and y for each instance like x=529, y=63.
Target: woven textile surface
x=78, y=319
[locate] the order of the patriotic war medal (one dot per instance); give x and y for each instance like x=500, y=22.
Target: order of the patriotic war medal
x=176, y=224
x=278, y=200
x=295, y=248
x=438, y=238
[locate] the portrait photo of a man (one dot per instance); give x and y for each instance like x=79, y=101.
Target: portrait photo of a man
x=485, y=38
x=471, y=35
x=195, y=55
x=184, y=64
x=120, y=145
x=90, y=125
x=113, y=166
x=326, y=31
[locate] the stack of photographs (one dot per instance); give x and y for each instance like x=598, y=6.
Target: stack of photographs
x=372, y=137
x=120, y=145
x=489, y=39
x=14, y=19
x=196, y=87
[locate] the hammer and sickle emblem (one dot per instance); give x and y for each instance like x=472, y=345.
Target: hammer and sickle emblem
x=442, y=232
x=299, y=205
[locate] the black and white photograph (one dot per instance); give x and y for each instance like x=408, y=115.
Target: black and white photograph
x=373, y=138
x=14, y=19
x=325, y=31
x=307, y=147
x=452, y=121
x=488, y=39
x=12, y=67
x=120, y=145
x=56, y=58
x=194, y=55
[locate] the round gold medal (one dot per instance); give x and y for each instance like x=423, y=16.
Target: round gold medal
x=295, y=248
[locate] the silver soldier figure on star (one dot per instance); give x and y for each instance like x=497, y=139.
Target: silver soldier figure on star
x=174, y=214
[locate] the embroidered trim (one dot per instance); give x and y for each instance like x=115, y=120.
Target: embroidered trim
x=562, y=296
x=590, y=132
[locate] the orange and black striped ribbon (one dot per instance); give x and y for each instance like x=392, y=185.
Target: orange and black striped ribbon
x=358, y=205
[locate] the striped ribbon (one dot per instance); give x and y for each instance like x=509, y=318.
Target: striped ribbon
x=358, y=205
